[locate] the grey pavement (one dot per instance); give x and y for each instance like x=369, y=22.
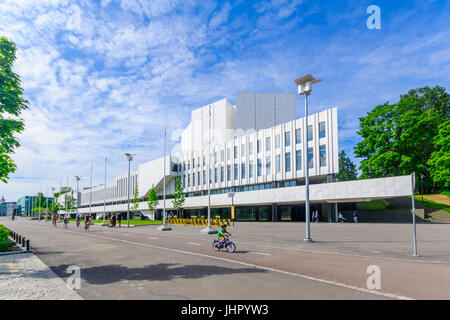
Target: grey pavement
x=272, y=261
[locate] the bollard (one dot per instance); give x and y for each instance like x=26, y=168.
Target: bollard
x=20, y=239
x=28, y=245
x=23, y=242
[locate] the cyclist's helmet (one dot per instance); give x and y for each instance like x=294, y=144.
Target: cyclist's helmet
x=223, y=226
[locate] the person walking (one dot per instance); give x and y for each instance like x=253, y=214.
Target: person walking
x=341, y=217
x=119, y=219
x=317, y=216
x=355, y=216
x=114, y=220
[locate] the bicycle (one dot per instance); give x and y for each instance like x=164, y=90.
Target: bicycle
x=78, y=223
x=230, y=246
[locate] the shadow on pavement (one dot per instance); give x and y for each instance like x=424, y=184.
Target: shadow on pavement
x=159, y=272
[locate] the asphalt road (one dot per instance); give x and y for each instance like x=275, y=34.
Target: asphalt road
x=271, y=262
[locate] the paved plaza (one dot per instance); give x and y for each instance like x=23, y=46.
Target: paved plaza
x=25, y=276
x=271, y=261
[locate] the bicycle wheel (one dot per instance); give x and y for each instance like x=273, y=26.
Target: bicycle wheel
x=216, y=246
x=231, y=247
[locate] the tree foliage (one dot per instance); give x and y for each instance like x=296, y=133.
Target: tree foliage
x=12, y=104
x=400, y=138
x=347, y=169
x=136, y=199
x=179, y=197
x=440, y=159
x=153, y=200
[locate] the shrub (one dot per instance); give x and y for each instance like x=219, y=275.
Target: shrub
x=4, y=233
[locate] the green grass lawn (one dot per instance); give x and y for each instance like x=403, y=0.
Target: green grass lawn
x=432, y=204
x=371, y=205
x=133, y=222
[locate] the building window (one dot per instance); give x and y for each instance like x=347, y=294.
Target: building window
x=277, y=141
x=298, y=136
x=189, y=165
x=323, y=155
x=204, y=177
x=228, y=172
x=193, y=179
x=221, y=174
x=198, y=165
x=215, y=175
x=189, y=180
x=259, y=169
x=258, y=146
x=243, y=150
x=243, y=170
x=310, y=133
x=287, y=139
x=228, y=154
x=193, y=163
x=268, y=165
x=278, y=163
x=235, y=171
x=250, y=148
x=321, y=129
x=287, y=160
x=235, y=152
x=198, y=178
x=222, y=155
x=184, y=165
x=298, y=160
x=310, y=158
x=210, y=176
x=268, y=144
x=250, y=169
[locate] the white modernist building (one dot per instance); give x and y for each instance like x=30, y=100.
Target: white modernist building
x=257, y=150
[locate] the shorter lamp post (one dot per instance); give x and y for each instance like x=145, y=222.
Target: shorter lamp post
x=129, y=158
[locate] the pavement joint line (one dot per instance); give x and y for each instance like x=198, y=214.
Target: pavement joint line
x=194, y=244
x=389, y=295
x=319, y=252
x=261, y=253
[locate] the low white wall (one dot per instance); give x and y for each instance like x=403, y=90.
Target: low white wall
x=348, y=191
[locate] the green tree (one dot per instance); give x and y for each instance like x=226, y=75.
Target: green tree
x=347, y=169
x=439, y=161
x=153, y=200
x=399, y=138
x=12, y=104
x=179, y=197
x=136, y=199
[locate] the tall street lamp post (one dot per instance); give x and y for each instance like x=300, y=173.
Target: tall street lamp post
x=304, y=85
x=209, y=229
x=164, y=226
x=104, y=198
x=129, y=158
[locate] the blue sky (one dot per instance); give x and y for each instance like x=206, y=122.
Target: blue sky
x=105, y=77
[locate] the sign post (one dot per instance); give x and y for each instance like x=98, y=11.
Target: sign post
x=413, y=179
x=233, y=212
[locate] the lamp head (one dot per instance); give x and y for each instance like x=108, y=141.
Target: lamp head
x=304, y=84
x=130, y=156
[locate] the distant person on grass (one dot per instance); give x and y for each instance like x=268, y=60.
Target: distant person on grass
x=119, y=219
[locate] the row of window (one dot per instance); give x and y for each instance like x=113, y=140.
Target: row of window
x=220, y=176
x=287, y=143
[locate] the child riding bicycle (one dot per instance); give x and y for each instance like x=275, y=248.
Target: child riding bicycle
x=223, y=233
